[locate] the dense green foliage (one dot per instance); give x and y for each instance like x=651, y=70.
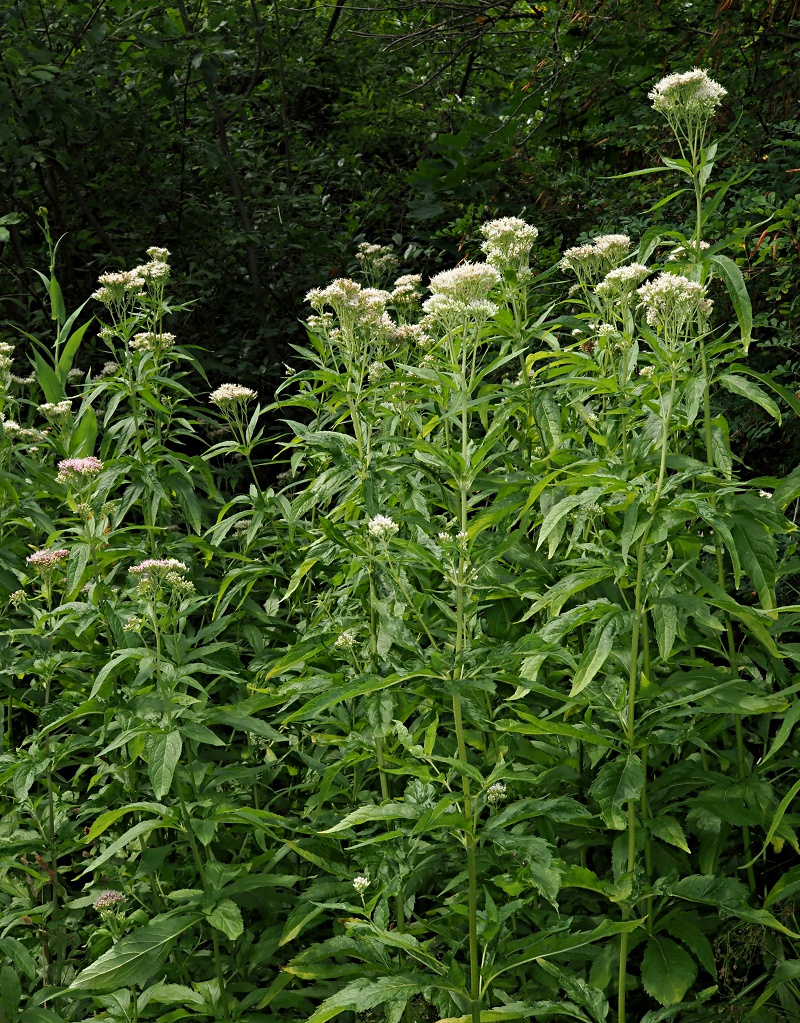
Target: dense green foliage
x=484, y=711
x=262, y=141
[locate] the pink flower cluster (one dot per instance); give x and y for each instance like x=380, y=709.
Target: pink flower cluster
x=46, y=559
x=72, y=468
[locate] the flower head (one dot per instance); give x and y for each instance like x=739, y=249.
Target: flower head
x=227, y=394
x=46, y=559
x=622, y=280
x=508, y=242
x=158, y=567
x=376, y=260
x=70, y=469
x=56, y=409
x=465, y=283
x=345, y=640
x=672, y=301
x=361, y=884
x=496, y=793
x=107, y=900
x=382, y=527
x=691, y=92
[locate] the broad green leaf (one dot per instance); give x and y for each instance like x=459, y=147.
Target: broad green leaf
x=10, y=993
x=70, y=349
x=162, y=760
x=135, y=958
x=786, y=729
x=747, y=389
x=549, y=726
x=757, y=551
x=19, y=956
x=728, y=896
x=667, y=971
x=737, y=290
x=227, y=917
x=618, y=782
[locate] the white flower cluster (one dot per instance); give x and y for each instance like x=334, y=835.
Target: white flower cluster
x=496, y=793
x=345, y=641
x=227, y=394
x=672, y=301
x=414, y=333
x=11, y=428
x=462, y=292
x=692, y=92
x=377, y=371
x=382, y=527
x=508, y=242
x=589, y=261
x=354, y=307
x=465, y=283
x=622, y=280
x=154, y=565
x=117, y=285
x=150, y=342
x=405, y=291
x=56, y=409
x=361, y=884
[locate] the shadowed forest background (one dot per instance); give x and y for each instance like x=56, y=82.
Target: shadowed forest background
x=261, y=142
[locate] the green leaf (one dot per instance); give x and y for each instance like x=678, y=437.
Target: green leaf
x=162, y=761
x=10, y=993
x=364, y=814
x=737, y=290
x=728, y=896
x=363, y=994
x=70, y=350
x=142, y=828
x=19, y=955
x=135, y=958
x=783, y=733
x=747, y=389
x=81, y=442
x=667, y=971
x=227, y=917
x=665, y=620
x=596, y=652
x=48, y=381
x=618, y=782
x=668, y=830
x=756, y=548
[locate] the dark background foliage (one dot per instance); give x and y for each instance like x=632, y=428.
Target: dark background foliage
x=262, y=141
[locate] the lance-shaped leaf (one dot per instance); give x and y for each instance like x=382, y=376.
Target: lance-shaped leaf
x=135, y=958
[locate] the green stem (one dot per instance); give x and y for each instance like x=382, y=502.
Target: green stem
x=630, y=735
